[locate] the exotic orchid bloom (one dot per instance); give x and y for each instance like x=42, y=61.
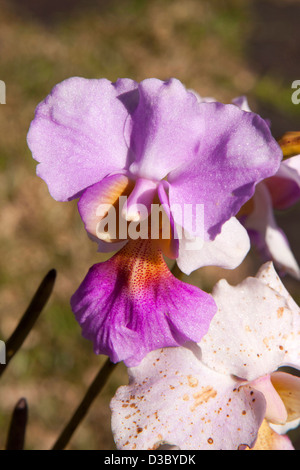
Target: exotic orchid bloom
x=279, y=192
x=153, y=142
x=225, y=392
x=124, y=147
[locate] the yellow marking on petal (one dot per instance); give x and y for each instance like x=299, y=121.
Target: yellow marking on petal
x=156, y=226
x=280, y=312
x=267, y=439
x=192, y=381
x=288, y=388
x=290, y=143
x=141, y=264
x=115, y=190
x=203, y=396
x=106, y=203
x=160, y=231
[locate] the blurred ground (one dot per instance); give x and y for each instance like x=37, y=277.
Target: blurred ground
x=219, y=48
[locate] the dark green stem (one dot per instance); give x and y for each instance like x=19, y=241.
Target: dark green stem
x=92, y=392
x=17, y=430
x=29, y=318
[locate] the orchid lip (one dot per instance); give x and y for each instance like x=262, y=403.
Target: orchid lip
x=131, y=304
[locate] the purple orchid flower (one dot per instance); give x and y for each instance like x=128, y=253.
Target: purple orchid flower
x=97, y=140
x=150, y=142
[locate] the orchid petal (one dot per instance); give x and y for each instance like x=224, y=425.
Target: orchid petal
x=227, y=250
x=104, y=247
x=268, y=439
x=172, y=398
x=272, y=243
x=169, y=244
x=276, y=411
x=242, y=103
x=236, y=151
x=290, y=143
x=284, y=428
x=260, y=323
x=284, y=187
x=165, y=128
x=132, y=304
x=98, y=200
x=288, y=388
x=77, y=134
x=269, y=276
x=141, y=197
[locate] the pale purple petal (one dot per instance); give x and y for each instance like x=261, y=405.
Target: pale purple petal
x=272, y=243
x=77, y=134
x=250, y=335
x=227, y=250
x=166, y=128
x=172, y=398
x=236, y=151
x=138, y=205
x=202, y=99
x=242, y=103
x=131, y=304
x=173, y=246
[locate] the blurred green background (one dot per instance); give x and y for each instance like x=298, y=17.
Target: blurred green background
x=219, y=48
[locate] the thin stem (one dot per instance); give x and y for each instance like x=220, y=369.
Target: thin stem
x=29, y=318
x=92, y=392
x=17, y=430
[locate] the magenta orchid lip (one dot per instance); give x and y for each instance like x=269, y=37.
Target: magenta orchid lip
x=132, y=304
